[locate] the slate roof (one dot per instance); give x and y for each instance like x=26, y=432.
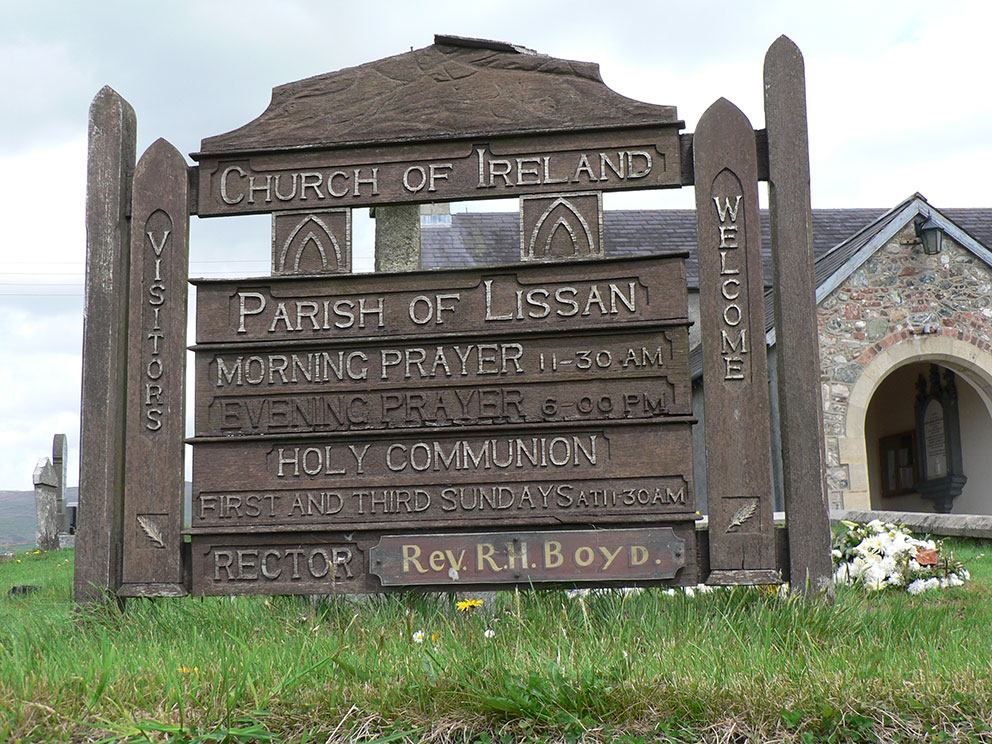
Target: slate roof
x=485, y=239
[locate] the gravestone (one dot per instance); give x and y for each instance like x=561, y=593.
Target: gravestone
x=46, y=499
x=59, y=449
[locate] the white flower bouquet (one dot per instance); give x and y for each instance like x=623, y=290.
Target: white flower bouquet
x=880, y=555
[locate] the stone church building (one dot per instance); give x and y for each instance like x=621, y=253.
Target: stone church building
x=898, y=318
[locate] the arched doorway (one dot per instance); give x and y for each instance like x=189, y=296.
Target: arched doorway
x=881, y=411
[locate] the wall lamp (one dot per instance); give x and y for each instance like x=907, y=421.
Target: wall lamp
x=931, y=235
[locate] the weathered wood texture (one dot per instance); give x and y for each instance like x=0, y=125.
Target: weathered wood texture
x=535, y=476
x=735, y=372
x=328, y=562
x=110, y=167
x=796, y=332
x=639, y=554
x=154, y=472
x=455, y=88
x=362, y=387
x=575, y=296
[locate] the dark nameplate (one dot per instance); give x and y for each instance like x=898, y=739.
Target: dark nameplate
x=276, y=565
x=642, y=158
x=644, y=554
x=540, y=476
x=356, y=387
x=569, y=296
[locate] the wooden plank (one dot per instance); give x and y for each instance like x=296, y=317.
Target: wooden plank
x=638, y=554
x=253, y=390
x=329, y=562
x=540, y=476
x=110, y=167
x=439, y=171
x=154, y=473
x=796, y=331
x=514, y=300
x=735, y=373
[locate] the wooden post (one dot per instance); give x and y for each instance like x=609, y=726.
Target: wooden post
x=737, y=427
x=110, y=167
x=796, y=332
x=156, y=366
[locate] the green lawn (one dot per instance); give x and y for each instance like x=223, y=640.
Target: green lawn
x=731, y=665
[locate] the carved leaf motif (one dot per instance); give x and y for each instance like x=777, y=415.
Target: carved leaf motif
x=152, y=530
x=743, y=514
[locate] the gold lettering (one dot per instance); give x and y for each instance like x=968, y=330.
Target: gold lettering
x=410, y=555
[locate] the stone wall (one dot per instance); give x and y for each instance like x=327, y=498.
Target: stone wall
x=896, y=297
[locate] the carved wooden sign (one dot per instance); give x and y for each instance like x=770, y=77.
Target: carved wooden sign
x=648, y=158
x=545, y=404
x=461, y=119
x=528, y=395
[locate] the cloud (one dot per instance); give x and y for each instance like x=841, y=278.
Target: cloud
x=893, y=108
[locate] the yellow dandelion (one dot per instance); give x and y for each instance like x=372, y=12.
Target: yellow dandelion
x=468, y=604
x=18, y=560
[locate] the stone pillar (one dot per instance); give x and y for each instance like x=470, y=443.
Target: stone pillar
x=58, y=464
x=397, y=238
x=46, y=499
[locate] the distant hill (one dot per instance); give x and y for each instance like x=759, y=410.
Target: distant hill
x=19, y=521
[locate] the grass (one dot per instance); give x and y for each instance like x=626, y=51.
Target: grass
x=732, y=665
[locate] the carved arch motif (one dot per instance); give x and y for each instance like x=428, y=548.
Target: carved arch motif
x=312, y=236
x=568, y=227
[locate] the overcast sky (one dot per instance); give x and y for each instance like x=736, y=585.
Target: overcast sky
x=897, y=91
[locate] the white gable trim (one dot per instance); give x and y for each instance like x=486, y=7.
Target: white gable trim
x=917, y=206
x=880, y=238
